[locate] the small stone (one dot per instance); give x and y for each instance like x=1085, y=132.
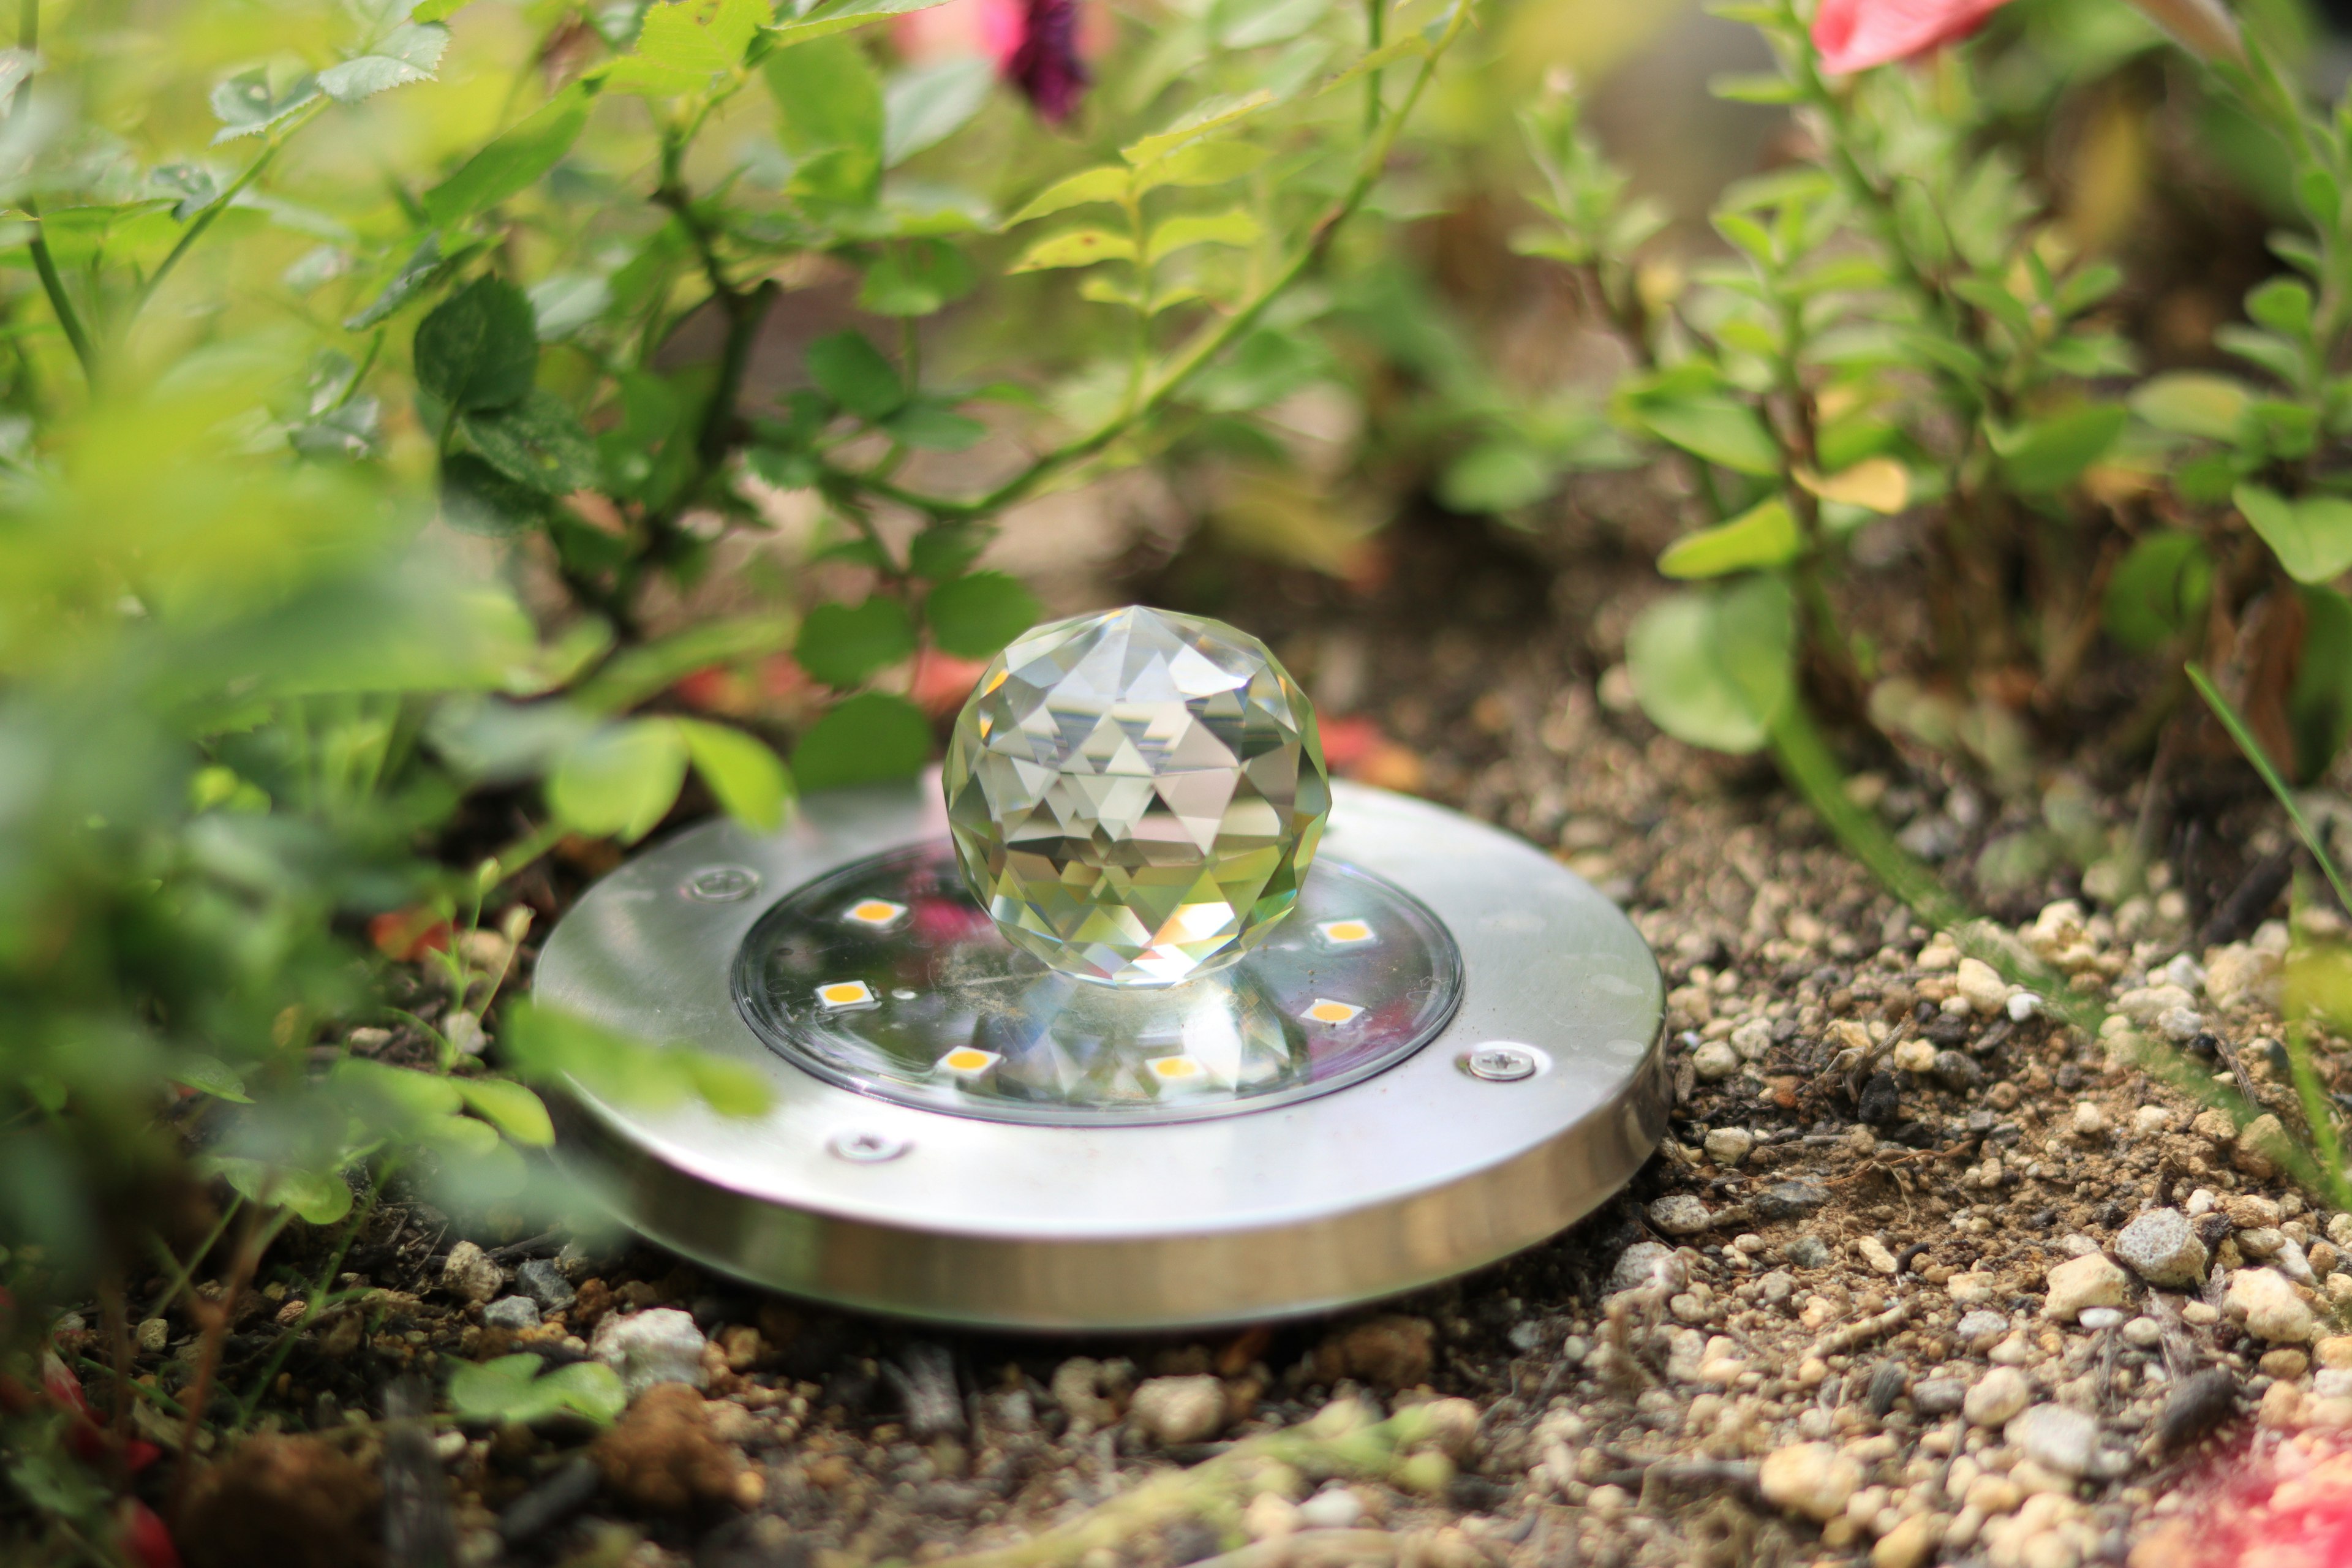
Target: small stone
x=542, y=1281
x=2092, y=1280
x=2241, y=975
x=2161, y=1247
x=2145, y=1005
x=1270, y=1517
x=154, y=1335
x=2202, y=1314
x=1777, y=1287
x=2285, y=1361
x=1680, y=1214
x=1714, y=1061
x=2267, y=1303
x=1978, y=1328
x=2090, y=1121
x=1982, y=984
x=2180, y=1025
x=2196, y=1405
x=656, y=1346
x=1172, y=1410
x=1809, y=1478
x=1887, y=1382
x=1730, y=1146
x=1789, y=1200
x=1874, y=1253
x=1881, y=1101
x=2334, y=1351
x=1646, y=1263
x=2281, y=1407
x=1336, y=1507
x=1913, y=1056
x=1998, y=1398
x=516, y=1313
x=467, y=1271
x=2058, y=1435
x=2259, y=1144
x=2216, y=1128
x=1912, y=1542
x=1993, y=1496
x=2262, y=1244
x=1939, y=1396
x=2023, y=1004
x=1970, y=1288
x=1808, y=1252
x=663, y=1455
x=2143, y=1333
x=1957, y=1070
x=2151, y=1121
x=2098, y=1317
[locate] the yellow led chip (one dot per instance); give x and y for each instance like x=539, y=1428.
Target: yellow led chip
x=968, y=1061
x=1177, y=1070
x=1332, y=1012
x=1345, y=933
x=874, y=914
x=844, y=996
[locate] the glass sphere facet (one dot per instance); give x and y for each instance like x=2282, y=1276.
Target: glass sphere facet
x=1136, y=796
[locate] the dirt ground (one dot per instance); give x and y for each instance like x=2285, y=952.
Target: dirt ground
x=1873, y=1301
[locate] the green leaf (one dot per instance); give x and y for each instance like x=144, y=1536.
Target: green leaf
x=476, y=498
x=548, y=1044
x=514, y=161
x=1763, y=536
x=1202, y=164
x=620, y=781
x=425, y=265
x=509, y=1389
x=1076, y=248
x=685, y=43
x=916, y=278
x=932, y=426
x=973, y=616
x=2312, y=536
x=1716, y=668
x=209, y=1074
x=747, y=778
x=2193, y=403
x=1253, y=24
x=2159, y=590
x=823, y=20
x=2285, y=305
x=1107, y=183
x=538, y=442
x=925, y=106
x=1497, y=476
x=409, y=53
x=318, y=1198
x=867, y=739
x=1216, y=114
x=245, y=106
x=1714, y=427
x=2319, y=703
x=2048, y=454
x=829, y=106
x=841, y=644
x=854, y=373
x=479, y=348
x=1755, y=88
x=946, y=548
x=1235, y=227
x=509, y=1107
x=729, y=1088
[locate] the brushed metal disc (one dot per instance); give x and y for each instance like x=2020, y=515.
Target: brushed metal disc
x=1541, y=1094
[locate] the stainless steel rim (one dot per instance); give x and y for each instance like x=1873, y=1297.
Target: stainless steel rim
x=1540, y=1098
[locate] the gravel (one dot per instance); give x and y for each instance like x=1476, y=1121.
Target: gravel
x=1997, y=1397
x=2162, y=1246
x=652, y=1347
x=1813, y=1480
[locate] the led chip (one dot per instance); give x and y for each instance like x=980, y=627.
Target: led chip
x=1349, y=932
x=1179, y=1072
x=845, y=996
x=968, y=1061
x=874, y=914
x=1332, y=1012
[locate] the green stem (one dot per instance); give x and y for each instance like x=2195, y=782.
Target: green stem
x=1376, y=27
x=28, y=38
x=219, y=205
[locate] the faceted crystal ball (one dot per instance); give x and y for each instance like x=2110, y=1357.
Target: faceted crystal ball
x=1136, y=796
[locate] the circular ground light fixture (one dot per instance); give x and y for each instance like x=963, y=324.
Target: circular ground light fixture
x=1130, y=1019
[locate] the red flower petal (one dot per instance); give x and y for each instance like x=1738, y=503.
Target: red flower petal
x=142, y=1537
x=1854, y=34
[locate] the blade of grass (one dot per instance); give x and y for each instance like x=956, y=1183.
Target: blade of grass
x=2245, y=737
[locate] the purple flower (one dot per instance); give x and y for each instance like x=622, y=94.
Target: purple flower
x=1045, y=64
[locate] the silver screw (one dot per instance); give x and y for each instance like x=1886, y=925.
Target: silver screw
x=722, y=884
x=867, y=1148
x=1501, y=1063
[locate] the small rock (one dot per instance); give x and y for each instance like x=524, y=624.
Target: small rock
x=1390, y=1351
x=1776, y=1288
x=1982, y=984
x=1680, y=1214
x=542, y=1281
x=2023, y=1004
x=1809, y=1478
x=2090, y=1121
x=2161, y=1247
x=1998, y=1398
x=1939, y=1396
x=467, y=1271
x=1874, y=1253
x=516, y=1312
x=1172, y=1410
x=2259, y=1143
x=1957, y=1070
x=154, y=1336
x=2250, y=1211
x=1752, y=1040
x=2263, y=1244
x=2058, y=1435
x=2284, y=1362
x=1978, y=1328
x=1887, y=1382
x=1808, y=1252
x=2241, y=975
x=2098, y=1317
x=2143, y=1333
x=2151, y=1121
x=1714, y=1061
x=1912, y=1543
x=1881, y=1103
x=1913, y=1056
x=1789, y=1200
x=2180, y=1025
x=1081, y=1386
x=2215, y=1127
x=2266, y=1302
x=1730, y=1146
x=1640, y=1265
x=1970, y=1288
x=1336, y=1507
x=1270, y=1517
x=656, y=1346
x=2092, y=1280
x=2145, y=1005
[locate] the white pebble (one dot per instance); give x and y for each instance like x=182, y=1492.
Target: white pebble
x=1809, y=1478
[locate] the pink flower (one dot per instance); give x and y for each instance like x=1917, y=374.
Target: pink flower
x=1045, y=65
x=1038, y=45
x=1854, y=34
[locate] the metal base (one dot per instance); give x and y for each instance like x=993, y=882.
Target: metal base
x=1539, y=1097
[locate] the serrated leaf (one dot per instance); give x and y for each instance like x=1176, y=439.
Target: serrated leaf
x=509, y=1107
x=973, y=616
x=823, y=20
x=851, y=371
x=410, y=53
x=514, y=161
x=841, y=644
x=619, y=780
x=870, y=738
x=1716, y=668
x=1235, y=227
x=2312, y=536
x=1765, y=535
x=1078, y=247
x=426, y=264
x=746, y=778
x=1217, y=114
x=1107, y=183
x=479, y=348
x=537, y=442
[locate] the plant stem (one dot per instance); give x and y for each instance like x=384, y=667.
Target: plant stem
x=2200, y=26
x=219, y=205
x=216, y=1316
x=28, y=38
x=1376, y=27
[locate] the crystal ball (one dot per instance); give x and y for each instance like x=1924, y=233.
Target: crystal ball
x=1136, y=796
